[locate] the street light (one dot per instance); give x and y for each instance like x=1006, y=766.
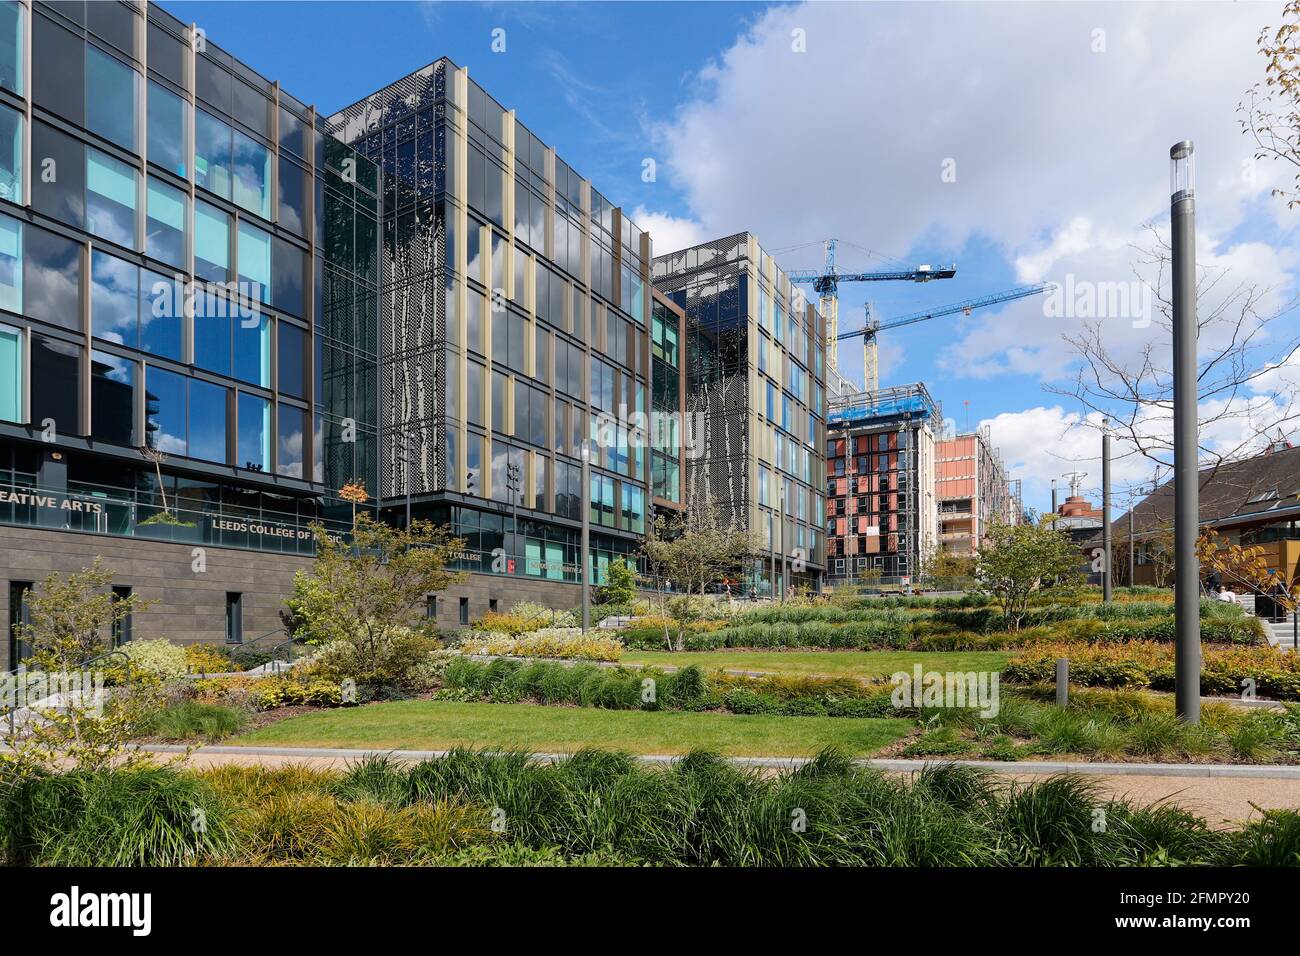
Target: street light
x=586, y=533
x=1105, y=510
x=784, y=489
x=1187, y=596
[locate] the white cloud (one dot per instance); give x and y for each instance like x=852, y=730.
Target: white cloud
x=669, y=233
x=1060, y=153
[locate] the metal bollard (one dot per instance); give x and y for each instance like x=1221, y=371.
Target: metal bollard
x=1062, y=681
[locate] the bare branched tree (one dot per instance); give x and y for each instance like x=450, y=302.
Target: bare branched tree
x=1270, y=112
x=1240, y=391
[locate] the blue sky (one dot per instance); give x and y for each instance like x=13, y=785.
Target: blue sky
x=1056, y=117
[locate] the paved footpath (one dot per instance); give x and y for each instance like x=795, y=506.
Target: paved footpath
x=1221, y=793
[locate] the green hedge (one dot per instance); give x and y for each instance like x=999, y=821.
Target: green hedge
x=587, y=685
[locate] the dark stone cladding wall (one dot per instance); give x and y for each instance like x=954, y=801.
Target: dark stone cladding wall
x=192, y=607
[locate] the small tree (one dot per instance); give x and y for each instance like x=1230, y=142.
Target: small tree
x=695, y=549
x=1246, y=567
x=620, y=584
x=1022, y=560
x=70, y=619
x=366, y=590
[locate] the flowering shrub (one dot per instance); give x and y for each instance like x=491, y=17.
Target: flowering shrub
x=159, y=659
x=268, y=693
x=208, y=659
x=1150, y=664
x=560, y=642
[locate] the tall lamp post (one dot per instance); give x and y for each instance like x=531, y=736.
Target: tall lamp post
x=1187, y=596
x=1105, y=511
x=584, y=559
x=783, y=582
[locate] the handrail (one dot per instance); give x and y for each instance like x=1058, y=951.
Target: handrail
x=235, y=649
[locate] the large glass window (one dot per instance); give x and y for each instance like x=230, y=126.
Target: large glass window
x=11, y=46
x=114, y=299
x=287, y=272
x=51, y=278
x=58, y=70
x=164, y=409
x=112, y=91
x=255, y=262
x=54, y=383
x=254, y=447
x=293, y=208
x=252, y=175
x=112, y=399
x=11, y=374
x=110, y=198
x=212, y=339
x=59, y=179
x=162, y=313
x=11, y=264
x=166, y=223
x=212, y=139
x=207, y=420
x=167, y=138
x=292, y=359
x=290, y=440
x=211, y=243
x=11, y=155
x=253, y=349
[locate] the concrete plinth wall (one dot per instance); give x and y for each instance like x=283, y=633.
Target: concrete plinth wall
x=192, y=605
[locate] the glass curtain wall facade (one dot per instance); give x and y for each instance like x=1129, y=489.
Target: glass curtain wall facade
x=188, y=270
x=515, y=321
x=756, y=393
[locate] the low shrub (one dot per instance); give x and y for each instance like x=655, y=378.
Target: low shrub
x=1151, y=665
x=159, y=658
x=559, y=642
x=271, y=692
x=206, y=658
x=192, y=720
x=142, y=817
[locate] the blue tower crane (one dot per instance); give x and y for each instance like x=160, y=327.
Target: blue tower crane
x=870, y=364
x=826, y=284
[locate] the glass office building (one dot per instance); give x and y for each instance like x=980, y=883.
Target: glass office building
x=515, y=317
x=185, y=273
x=755, y=398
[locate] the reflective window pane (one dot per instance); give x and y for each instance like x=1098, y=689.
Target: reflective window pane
x=11, y=374
x=253, y=349
x=166, y=137
x=291, y=133
x=62, y=196
x=11, y=46
x=212, y=342
x=254, y=424
x=110, y=198
x=252, y=108
x=255, y=262
x=165, y=223
x=287, y=269
x=290, y=440
x=114, y=299
x=212, y=145
x=51, y=278
x=252, y=176
x=293, y=209
x=58, y=69
x=54, y=383
x=11, y=155
x=162, y=303
x=292, y=357
x=112, y=399
x=11, y=264
x=207, y=420
x=164, y=409
x=211, y=243
x=111, y=98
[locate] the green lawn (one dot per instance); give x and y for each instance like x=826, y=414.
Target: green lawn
x=833, y=663
x=438, y=725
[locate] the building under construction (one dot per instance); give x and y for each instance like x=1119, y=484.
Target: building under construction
x=880, y=503
x=973, y=491
x=755, y=400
